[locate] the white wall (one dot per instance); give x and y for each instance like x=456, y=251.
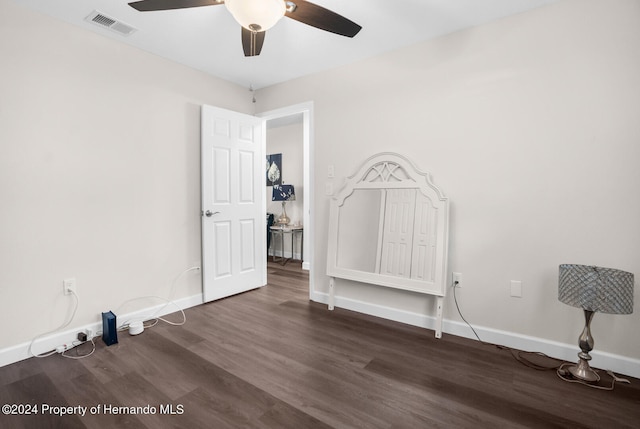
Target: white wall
x=529, y=125
x=99, y=172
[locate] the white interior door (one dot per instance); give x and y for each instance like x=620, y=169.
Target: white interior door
x=397, y=235
x=423, y=263
x=233, y=203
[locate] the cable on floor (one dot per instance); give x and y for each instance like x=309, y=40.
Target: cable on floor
x=559, y=365
x=455, y=299
x=59, y=328
x=77, y=345
x=153, y=318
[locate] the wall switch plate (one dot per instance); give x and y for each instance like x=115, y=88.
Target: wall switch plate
x=328, y=188
x=457, y=277
x=516, y=288
x=69, y=285
x=330, y=171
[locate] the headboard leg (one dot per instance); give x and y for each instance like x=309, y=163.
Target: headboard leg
x=439, y=301
x=331, y=292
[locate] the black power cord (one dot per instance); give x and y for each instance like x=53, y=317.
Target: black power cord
x=559, y=365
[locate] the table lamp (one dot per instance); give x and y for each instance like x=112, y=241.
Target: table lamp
x=593, y=289
x=283, y=193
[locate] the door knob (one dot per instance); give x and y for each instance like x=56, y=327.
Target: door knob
x=209, y=213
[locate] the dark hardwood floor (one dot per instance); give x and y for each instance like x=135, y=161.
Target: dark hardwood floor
x=269, y=358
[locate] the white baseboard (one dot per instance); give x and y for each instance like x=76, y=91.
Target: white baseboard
x=20, y=352
x=618, y=364
x=603, y=360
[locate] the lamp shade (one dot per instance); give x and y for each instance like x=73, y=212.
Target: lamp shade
x=604, y=290
x=283, y=193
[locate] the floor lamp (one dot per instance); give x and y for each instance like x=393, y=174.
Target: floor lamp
x=593, y=289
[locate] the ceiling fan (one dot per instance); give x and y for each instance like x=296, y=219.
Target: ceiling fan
x=257, y=16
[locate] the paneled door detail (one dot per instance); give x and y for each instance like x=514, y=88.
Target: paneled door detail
x=233, y=203
x=397, y=235
x=423, y=265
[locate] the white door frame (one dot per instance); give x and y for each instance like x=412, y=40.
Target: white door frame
x=306, y=109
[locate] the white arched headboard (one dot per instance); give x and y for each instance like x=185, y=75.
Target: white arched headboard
x=389, y=227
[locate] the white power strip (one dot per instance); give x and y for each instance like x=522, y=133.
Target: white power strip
x=63, y=348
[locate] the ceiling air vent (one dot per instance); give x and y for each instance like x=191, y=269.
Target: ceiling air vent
x=102, y=20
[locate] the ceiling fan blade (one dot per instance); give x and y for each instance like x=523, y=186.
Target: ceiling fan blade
x=153, y=5
x=319, y=17
x=252, y=42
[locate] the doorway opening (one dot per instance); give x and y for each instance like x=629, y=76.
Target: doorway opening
x=289, y=133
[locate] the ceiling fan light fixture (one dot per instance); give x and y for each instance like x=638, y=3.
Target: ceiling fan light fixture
x=256, y=15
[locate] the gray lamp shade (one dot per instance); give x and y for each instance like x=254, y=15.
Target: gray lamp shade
x=604, y=290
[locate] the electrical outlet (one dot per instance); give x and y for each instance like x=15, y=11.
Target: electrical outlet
x=457, y=279
x=69, y=286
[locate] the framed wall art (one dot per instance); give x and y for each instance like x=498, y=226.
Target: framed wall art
x=274, y=169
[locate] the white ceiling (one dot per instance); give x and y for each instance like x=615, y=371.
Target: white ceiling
x=208, y=39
